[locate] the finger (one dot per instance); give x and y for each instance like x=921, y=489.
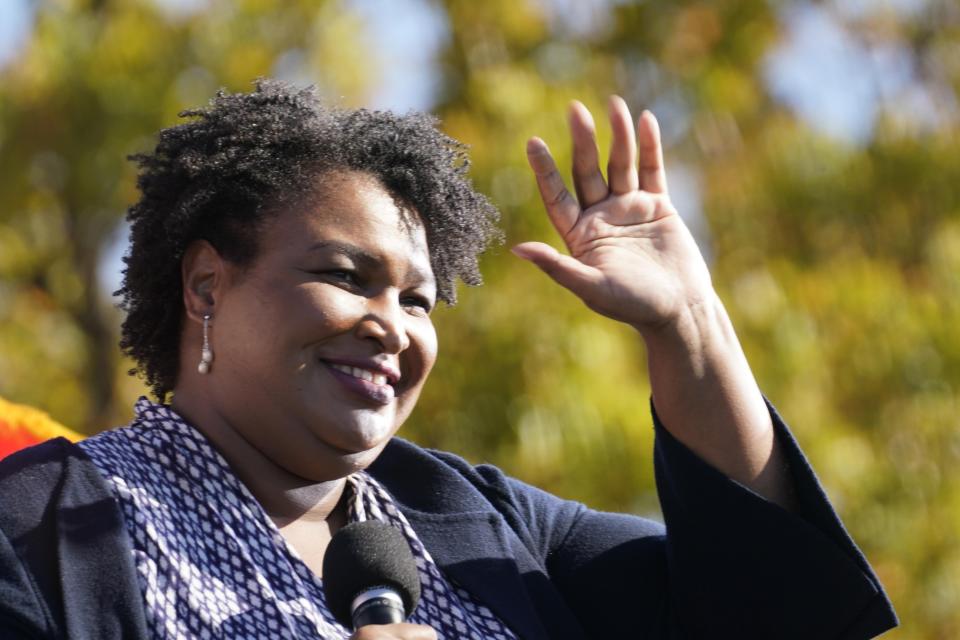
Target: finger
x=565, y=270
x=587, y=179
x=622, y=166
x=399, y=631
x=653, y=175
x=561, y=206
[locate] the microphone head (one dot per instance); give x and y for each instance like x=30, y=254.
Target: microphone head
x=365, y=555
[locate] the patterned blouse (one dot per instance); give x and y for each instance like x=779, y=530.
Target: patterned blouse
x=212, y=564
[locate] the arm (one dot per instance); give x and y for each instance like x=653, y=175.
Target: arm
x=633, y=259
x=752, y=546
x=731, y=565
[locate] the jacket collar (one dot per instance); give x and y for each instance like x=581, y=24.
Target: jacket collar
x=472, y=543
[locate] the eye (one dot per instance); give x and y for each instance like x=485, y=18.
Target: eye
x=342, y=274
x=417, y=301
x=338, y=277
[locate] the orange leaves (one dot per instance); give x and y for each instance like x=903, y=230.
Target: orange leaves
x=22, y=426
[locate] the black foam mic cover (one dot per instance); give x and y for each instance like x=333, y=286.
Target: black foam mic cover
x=368, y=555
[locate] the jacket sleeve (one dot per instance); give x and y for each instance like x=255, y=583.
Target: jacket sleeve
x=66, y=568
x=21, y=615
x=728, y=564
x=28, y=529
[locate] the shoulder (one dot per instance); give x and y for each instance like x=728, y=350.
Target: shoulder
x=410, y=470
x=63, y=545
x=29, y=476
x=56, y=473
x=442, y=482
x=43, y=490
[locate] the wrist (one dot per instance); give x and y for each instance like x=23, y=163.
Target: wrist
x=700, y=326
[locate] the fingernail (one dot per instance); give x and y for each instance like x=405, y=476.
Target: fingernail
x=536, y=145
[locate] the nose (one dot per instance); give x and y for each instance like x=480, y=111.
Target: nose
x=385, y=322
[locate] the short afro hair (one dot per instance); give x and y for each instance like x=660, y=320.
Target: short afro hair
x=221, y=174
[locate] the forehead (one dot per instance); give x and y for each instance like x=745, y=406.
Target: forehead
x=354, y=209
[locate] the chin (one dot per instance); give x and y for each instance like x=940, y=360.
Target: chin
x=370, y=441
x=360, y=461
x=365, y=433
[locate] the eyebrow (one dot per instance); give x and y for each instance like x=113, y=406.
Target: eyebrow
x=366, y=259
x=351, y=251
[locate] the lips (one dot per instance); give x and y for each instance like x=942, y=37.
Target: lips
x=363, y=374
x=371, y=381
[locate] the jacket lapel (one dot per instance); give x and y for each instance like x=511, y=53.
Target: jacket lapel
x=472, y=549
x=472, y=544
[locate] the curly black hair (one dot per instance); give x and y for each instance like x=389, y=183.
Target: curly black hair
x=220, y=175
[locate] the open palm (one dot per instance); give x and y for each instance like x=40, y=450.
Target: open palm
x=631, y=257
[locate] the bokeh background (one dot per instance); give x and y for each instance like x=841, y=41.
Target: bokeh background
x=812, y=147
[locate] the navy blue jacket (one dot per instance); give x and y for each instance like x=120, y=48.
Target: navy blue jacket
x=728, y=564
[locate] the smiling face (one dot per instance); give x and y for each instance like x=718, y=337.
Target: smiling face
x=322, y=345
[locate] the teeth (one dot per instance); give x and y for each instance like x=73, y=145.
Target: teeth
x=363, y=374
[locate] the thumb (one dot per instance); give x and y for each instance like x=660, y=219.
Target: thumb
x=565, y=270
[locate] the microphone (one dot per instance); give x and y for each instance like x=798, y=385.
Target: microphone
x=370, y=575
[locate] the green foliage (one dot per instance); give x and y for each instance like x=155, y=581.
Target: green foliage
x=839, y=264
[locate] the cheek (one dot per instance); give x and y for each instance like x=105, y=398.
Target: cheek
x=420, y=357
x=423, y=339
x=310, y=311
x=277, y=323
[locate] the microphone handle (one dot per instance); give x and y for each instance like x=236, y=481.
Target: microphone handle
x=380, y=605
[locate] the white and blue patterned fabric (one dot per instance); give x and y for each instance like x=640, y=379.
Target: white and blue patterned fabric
x=211, y=563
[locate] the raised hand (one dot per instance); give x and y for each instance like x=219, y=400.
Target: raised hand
x=631, y=257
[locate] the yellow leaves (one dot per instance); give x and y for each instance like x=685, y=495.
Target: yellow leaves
x=485, y=27
x=520, y=22
x=511, y=187
x=245, y=62
x=727, y=88
x=943, y=251
x=508, y=91
x=750, y=37
x=14, y=252
x=38, y=423
x=694, y=32
x=42, y=353
x=259, y=6
x=758, y=296
x=125, y=44
x=847, y=461
x=341, y=54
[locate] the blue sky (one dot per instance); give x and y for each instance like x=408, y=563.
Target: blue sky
x=14, y=27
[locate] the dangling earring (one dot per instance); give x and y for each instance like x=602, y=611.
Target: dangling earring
x=206, y=354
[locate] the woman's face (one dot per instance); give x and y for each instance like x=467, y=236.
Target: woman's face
x=323, y=344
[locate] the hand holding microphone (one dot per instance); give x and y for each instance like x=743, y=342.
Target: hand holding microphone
x=402, y=631
x=371, y=582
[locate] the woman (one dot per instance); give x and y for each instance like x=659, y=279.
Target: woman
x=284, y=262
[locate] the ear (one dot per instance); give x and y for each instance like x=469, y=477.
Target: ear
x=203, y=275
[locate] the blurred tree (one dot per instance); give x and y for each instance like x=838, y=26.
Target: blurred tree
x=838, y=258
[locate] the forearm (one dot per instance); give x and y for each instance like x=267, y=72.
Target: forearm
x=706, y=395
